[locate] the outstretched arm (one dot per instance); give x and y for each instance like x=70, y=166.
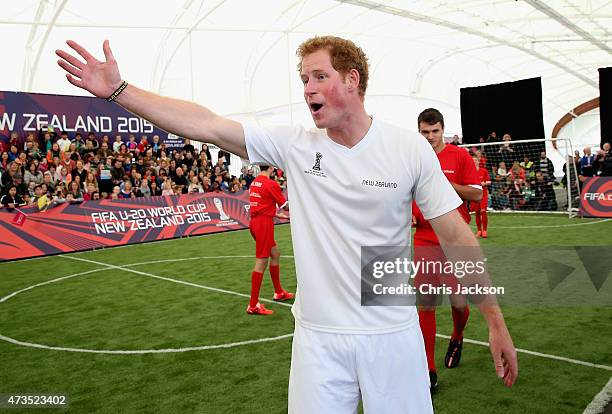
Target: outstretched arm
x=183, y=118
x=459, y=244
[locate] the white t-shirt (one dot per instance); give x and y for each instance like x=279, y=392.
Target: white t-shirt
x=342, y=199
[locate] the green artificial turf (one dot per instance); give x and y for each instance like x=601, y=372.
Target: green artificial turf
x=128, y=309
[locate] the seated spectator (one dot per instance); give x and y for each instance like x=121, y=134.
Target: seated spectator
x=144, y=189
x=195, y=186
x=32, y=174
x=181, y=180
x=54, y=152
x=502, y=171
x=155, y=189
x=40, y=199
x=4, y=161
x=116, y=192
x=13, y=153
x=516, y=172
x=72, y=153
x=11, y=199
x=544, y=198
x=126, y=190
x=528, y=166
x=516, y=195
x=74, y=188
x=167, y=188
x=48, y=182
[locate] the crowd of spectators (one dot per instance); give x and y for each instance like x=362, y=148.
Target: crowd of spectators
x=521, y=181
x=50, y=168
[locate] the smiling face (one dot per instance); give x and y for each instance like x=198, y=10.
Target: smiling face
x=326, y=91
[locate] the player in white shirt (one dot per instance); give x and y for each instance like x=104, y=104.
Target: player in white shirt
x=352, y=185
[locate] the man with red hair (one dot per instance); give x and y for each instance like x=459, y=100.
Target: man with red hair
x=342, y=351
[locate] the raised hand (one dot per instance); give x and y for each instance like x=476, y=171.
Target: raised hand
x=98, y=78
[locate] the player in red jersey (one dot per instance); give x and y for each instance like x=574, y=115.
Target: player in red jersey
x=480, y=207
x=459, y=169
x=264, y=197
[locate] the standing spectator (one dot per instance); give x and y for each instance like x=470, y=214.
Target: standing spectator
x=117, y=144
x=78, y=141
x=92, y=137
x=545, y=166
x=188, y=147
x=156, y=144
x=63, y=142
x=586, y=163
x=223, y=157
x=506, y=152
x=606, y=167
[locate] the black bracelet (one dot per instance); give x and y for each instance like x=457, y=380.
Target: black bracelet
x=120, y=89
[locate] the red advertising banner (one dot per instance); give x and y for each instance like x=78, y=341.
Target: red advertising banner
x=66, y=228
x=596, y=197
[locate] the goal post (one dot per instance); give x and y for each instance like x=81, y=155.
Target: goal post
x=530, y=176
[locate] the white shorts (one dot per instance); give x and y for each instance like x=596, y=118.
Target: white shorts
x=330, y=372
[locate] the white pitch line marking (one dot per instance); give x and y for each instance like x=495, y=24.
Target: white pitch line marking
x=125, y=268
x=181, y=282
x=550, y=225
x=144, y=351
x=539, y=354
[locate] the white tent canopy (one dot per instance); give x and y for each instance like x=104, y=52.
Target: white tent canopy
x=238, y=56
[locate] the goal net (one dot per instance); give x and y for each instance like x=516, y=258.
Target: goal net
x=530, y=176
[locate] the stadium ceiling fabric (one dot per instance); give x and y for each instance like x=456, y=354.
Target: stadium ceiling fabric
x=238, y=56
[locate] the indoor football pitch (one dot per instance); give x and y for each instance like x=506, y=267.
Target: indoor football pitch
x=162, y=328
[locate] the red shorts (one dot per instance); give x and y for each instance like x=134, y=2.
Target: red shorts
x=431, y=255
x=262, y=230
x=482, y=204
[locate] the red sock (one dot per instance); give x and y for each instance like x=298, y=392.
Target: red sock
x=460, y=318
x=275, y=273
x=427, y=320
x=477, y=214
x=485, y=220
x=256, y=278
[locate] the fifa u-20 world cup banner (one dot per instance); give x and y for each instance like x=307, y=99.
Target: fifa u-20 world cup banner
x=596, y=197
x=27, y=232
x=30, y=112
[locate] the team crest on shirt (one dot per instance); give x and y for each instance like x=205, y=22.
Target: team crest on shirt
x=316, y=168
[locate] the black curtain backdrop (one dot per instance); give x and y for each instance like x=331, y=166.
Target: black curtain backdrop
x=605, y=104
x=511, y=107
